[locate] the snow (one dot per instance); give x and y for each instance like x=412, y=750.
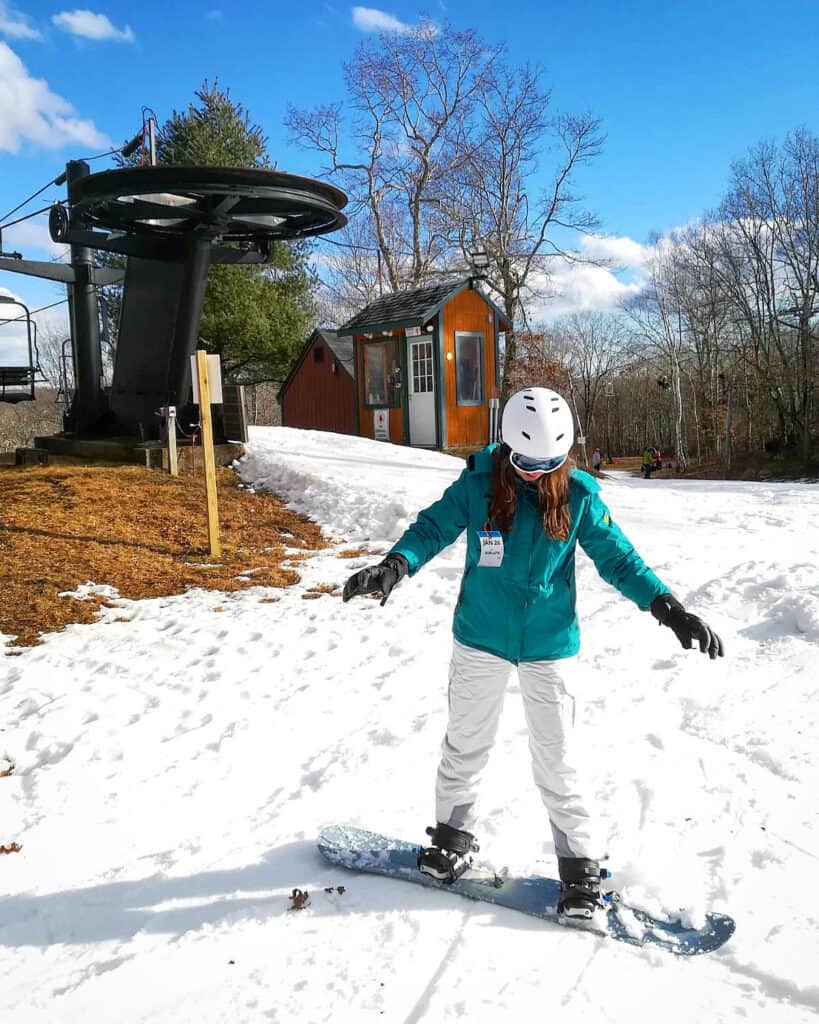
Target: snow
x=174, y=763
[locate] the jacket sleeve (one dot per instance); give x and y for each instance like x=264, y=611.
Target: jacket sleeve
x=614, y=556
x=436, y=526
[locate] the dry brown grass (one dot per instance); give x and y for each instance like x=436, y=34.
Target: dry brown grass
x=138, y=530
x=320, y=590
x=356, y=553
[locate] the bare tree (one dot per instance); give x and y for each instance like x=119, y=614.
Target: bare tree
x=413, y=96
x=769, y=261
x=502, y=201
x=597, y=345
x=54, y=350
x=21, y=423
x=350, y=272
x=658, y=317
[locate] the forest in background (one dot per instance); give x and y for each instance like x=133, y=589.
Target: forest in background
x=456, y=164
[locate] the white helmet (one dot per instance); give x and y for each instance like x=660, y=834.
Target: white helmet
x=538, y=426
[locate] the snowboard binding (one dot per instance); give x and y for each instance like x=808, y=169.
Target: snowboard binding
x=580, y=894
x=450, y=854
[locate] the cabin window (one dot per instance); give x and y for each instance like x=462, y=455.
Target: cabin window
x=318, y=354
x=468, y=368
x=381, y=373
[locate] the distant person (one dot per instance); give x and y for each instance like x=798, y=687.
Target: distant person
x=648, y=462
x=596, y=460
x=525, y=507
x=658, y=459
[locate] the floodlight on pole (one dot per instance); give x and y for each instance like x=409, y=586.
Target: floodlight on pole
x=479, y=260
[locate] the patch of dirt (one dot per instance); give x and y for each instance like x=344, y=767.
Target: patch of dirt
x=138, y=530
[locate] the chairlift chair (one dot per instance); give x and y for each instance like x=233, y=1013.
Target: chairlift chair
x=17, y=382
x=65, y=391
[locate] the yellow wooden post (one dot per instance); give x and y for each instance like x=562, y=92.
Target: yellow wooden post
x=173, y=465
x=207, y=452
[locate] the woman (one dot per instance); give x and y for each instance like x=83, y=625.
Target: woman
x=525, y=507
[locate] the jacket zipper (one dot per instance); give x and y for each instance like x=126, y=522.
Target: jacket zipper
x=528, y=577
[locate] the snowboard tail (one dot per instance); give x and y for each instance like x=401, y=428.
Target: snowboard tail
x=359, y=850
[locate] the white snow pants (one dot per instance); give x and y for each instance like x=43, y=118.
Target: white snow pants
x=477, y=682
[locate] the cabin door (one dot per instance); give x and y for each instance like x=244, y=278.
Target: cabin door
x=421, y=392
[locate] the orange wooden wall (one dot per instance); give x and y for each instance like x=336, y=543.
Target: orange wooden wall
x=468, y=424
x=365, y=415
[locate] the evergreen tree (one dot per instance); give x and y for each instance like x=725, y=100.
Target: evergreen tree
x=255, y=317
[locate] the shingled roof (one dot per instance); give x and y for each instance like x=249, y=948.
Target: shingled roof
x=403, y=309
x=342, y=349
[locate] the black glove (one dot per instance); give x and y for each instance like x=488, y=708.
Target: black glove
x=668, y=611
x=379, y=578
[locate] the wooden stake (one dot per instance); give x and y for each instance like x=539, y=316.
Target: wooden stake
x=173, y=467
x=207, y=452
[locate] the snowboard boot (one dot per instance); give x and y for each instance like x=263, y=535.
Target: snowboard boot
x=449, y=855
x=579, y=887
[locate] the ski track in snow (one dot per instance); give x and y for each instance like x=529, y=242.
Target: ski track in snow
x=172, y=771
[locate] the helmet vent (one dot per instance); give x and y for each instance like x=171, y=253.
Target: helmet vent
x=531, y=408
x=560, y=437
x=529, y=398
x=527, y=436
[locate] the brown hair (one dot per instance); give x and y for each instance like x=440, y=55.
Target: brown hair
x=553, y=496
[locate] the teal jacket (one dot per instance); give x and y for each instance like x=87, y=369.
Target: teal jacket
x=524, y=610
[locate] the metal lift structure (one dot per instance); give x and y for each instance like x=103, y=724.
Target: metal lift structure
x=170, y=224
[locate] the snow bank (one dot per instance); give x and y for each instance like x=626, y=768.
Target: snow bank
x=355, y=488
x=173, y=764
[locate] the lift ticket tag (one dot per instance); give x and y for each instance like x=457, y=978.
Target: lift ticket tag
x=491, y=548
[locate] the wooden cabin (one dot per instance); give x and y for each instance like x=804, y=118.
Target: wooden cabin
x=428, y=365
x=319, y=393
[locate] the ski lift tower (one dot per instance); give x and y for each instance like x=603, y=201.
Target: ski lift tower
x=171, y=224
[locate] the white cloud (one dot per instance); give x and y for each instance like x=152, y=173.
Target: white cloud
x=16, y=25
x=620, y=251
x=32, y=234
x=369, y=19
x=578, y=287
x=575, y=287
x=31, y=112
x=89, y=25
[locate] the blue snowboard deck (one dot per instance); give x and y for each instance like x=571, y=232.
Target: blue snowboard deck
x=359, y=850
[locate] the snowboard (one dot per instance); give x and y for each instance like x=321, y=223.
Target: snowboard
x=359, y=850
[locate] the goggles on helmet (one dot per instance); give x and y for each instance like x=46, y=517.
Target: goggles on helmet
x=528, y=465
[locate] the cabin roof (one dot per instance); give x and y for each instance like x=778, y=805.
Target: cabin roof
x=410, y=308
x=342, y=348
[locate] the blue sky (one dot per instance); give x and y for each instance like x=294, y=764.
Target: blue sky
x=681, y=89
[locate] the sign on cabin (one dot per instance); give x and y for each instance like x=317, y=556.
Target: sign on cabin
x=381, y=423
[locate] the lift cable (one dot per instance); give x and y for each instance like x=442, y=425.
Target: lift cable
x=27, y=216
x=32, y=196
x=60, y=179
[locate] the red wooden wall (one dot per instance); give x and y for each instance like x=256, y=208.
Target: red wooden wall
x=319, y=399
